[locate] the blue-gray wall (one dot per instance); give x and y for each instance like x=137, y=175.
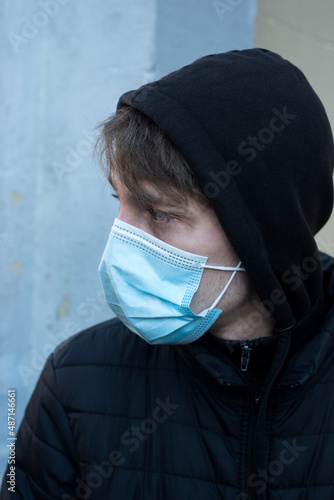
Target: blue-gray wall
x=64, y=64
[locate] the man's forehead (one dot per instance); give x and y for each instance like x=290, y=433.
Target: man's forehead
x=147, y=192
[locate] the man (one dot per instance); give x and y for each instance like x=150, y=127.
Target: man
x=216, y=380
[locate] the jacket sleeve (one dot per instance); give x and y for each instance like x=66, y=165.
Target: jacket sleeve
x=45, y=455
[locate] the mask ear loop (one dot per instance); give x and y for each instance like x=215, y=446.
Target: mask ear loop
x=224, y=268
x=235, y=270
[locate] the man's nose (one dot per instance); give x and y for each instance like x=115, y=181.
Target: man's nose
x=134, y=217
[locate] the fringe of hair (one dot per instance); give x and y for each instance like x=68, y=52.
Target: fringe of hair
x=135, y=148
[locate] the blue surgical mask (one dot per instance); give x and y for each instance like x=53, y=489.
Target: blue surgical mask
x=149, y=285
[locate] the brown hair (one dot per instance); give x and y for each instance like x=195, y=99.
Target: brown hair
x=135, y=148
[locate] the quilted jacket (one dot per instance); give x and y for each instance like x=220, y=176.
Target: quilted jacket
x=113, y=417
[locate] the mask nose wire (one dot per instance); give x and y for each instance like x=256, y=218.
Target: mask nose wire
x=235, y=270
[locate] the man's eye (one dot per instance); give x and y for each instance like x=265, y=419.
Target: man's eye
x=159, y=216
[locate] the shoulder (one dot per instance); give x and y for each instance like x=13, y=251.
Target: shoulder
x=110, y=343
x=104, y=369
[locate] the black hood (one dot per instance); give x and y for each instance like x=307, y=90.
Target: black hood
x=258, y=139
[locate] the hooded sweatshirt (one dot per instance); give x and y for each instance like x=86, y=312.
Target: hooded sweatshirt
x=258, y=139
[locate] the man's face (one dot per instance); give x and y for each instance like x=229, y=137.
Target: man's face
x=196, y=229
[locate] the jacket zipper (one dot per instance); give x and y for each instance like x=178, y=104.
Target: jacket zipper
x=254, y=411
x=245, y=355
x=251, y=443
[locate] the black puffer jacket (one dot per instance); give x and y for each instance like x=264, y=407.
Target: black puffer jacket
x=113, y=417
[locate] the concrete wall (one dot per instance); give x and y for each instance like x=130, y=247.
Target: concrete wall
x=64, y=64
x=302, y=31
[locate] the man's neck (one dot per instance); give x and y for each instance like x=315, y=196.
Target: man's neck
x=248, y=322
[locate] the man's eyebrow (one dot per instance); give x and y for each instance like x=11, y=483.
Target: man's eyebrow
x=150, y=198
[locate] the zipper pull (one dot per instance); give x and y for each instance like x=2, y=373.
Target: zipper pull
x=258, y=399
x=245, y=355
